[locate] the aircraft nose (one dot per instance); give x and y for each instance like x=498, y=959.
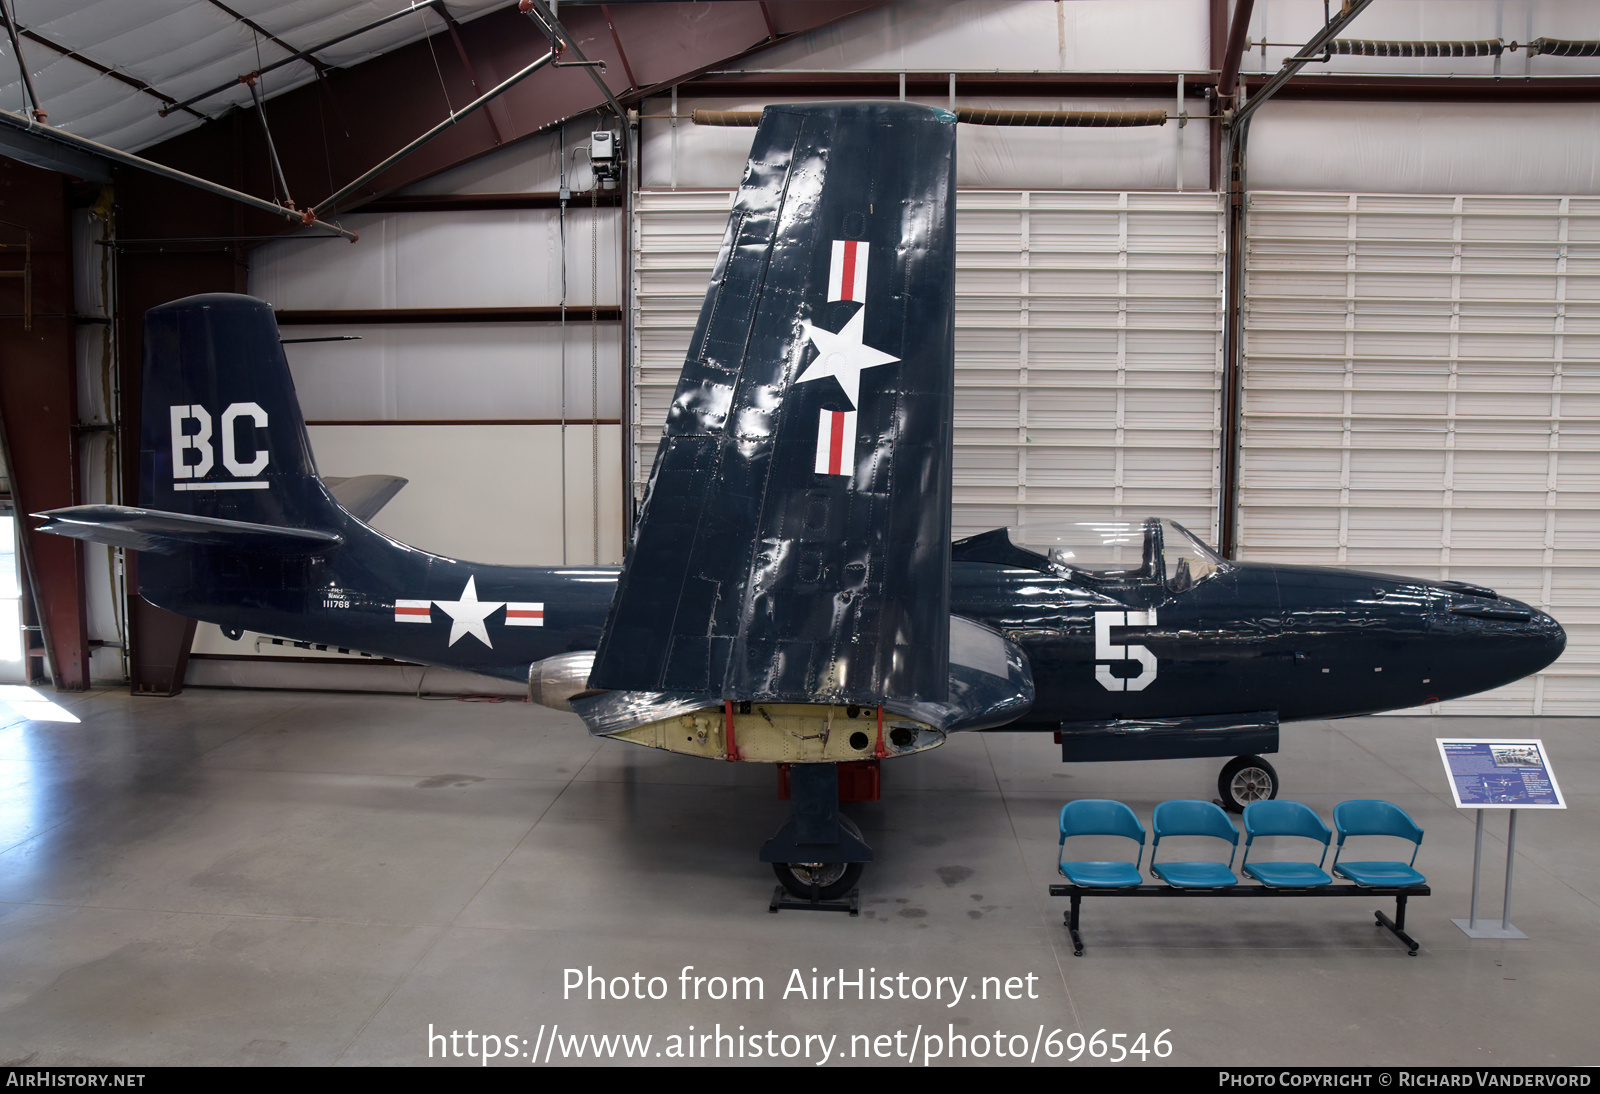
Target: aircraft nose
x=1542, y=641
x=1509, y=639
x=1550, y=634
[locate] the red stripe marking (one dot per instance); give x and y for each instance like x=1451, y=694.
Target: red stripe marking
x=836, y=443
x=847, y=278
x=727, y=718
x=523, y=614
x=411, y=611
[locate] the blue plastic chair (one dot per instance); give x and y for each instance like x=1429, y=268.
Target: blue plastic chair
x=1285, y=818
x=1194, y=818
x=1377, y=818
x=1099, y=817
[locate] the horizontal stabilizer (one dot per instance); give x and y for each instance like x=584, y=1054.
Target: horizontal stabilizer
x=164, y=533
x=363, y=495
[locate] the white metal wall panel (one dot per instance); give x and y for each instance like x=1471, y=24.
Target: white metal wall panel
x=493, y=258
x=460, y=371
x=1433, y=148
x=1088, y=348
x=465, y=410
x=1422, y=395
x=452, y=470
x=994, y=36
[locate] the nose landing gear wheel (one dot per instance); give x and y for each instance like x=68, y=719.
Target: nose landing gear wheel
x=818, y=880
x=1246, y=779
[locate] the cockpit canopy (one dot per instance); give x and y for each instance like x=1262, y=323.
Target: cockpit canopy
x=1150, y=551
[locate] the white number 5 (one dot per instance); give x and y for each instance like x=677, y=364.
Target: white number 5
x=1105, y=651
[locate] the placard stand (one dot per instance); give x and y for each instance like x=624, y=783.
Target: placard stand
x=1497, y=773
x=1470, y=926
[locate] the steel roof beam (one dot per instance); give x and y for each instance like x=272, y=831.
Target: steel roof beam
x=1332, y=87
x=545, y=19
x=21, y=125
x=1238, y=38
x=268, y=35
x=493, y=93
x=386, y=102
x=38, y=151
x=305, y=55
x=775, y=85
x=1309, y=52
x=90, y=62
x=1356, y=87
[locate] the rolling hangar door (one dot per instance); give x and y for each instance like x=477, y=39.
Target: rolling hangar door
x=1421, y=396
x=1088, y=348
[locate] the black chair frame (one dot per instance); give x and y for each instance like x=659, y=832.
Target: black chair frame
x=1395, y=926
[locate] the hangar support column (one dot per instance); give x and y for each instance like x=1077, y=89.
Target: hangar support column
x=38, y=403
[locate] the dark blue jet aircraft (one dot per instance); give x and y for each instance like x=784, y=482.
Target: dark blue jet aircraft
x=792, y=596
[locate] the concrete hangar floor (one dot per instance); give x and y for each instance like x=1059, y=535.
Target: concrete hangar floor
x=253, y=877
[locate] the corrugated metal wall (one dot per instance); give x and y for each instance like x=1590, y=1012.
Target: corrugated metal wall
x=1422, y=395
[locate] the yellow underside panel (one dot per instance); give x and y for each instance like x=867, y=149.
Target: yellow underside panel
x=776, y=733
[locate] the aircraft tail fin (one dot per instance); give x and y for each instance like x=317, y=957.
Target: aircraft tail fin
x=222, y=434
x=794, y=540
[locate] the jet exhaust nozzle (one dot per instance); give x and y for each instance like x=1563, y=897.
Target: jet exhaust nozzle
x=554, y=680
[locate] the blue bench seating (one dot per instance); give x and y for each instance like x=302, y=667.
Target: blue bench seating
x=1377, y=818
x=1193, y=818
x=1285, y=818
x=1210, y=879
x=1099, y=817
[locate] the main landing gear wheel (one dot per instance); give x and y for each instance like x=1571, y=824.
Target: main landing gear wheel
x=818, y=880
x=1246, y=779
x=821, y=880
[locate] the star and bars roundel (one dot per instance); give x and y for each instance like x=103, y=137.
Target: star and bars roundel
x=468, y=614
x=843, y=356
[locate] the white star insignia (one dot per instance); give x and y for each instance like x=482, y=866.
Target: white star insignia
x=842, y=355
x=468, y=613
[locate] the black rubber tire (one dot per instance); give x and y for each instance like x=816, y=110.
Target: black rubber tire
x=832, y=879
x=818, y=880
x=1245, y=779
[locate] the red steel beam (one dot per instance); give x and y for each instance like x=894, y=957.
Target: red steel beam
x=38, y=406
x=457, y=203
x=609, y=313
x=773, y=86
x=627, y=69
x=1447, y=89
x=1238, y=32
x=389, y=100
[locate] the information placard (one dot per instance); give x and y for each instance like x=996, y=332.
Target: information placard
x=1500, y=774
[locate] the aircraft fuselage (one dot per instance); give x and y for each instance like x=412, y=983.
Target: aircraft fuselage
x=377, y=595
x=1299, y=641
